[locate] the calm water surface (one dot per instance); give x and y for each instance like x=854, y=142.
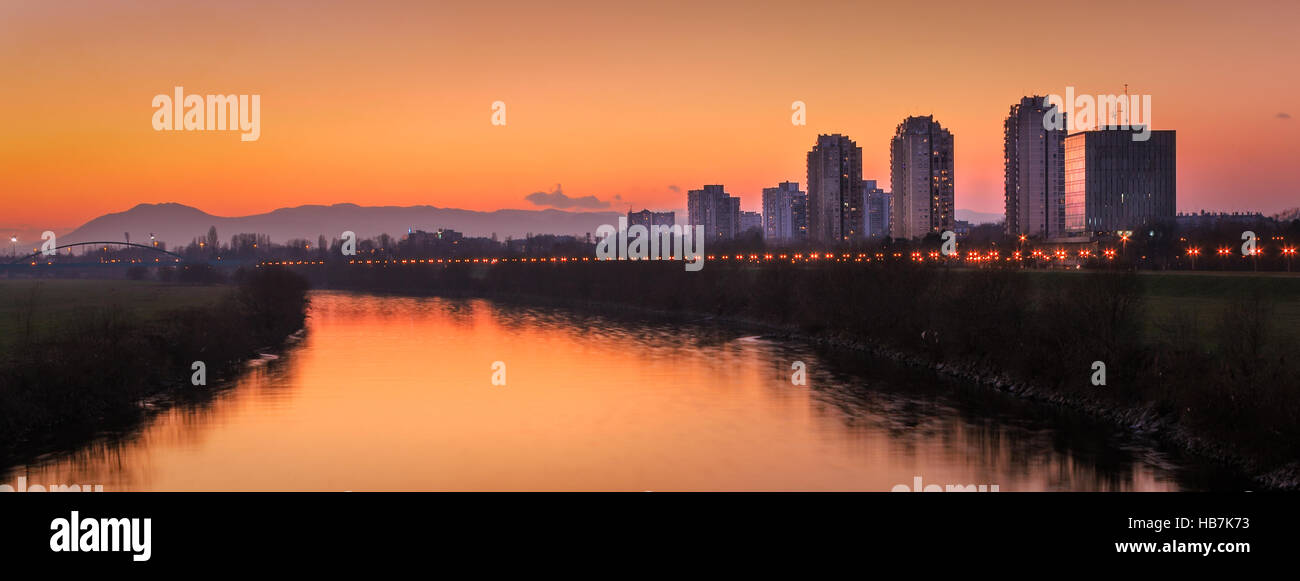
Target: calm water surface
x=393, y=393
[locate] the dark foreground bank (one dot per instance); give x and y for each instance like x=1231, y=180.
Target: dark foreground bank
x=1229, y=392
x=63, y=384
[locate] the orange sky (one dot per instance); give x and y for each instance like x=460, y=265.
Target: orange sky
x=389, y=103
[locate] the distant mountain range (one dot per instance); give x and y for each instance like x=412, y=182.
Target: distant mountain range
x=178, y=224
x=977, y=218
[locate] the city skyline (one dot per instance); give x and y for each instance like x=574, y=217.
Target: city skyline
x=382, y=126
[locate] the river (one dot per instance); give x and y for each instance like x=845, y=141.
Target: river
x=398, y=393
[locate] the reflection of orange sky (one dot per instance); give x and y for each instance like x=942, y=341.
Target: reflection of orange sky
x=390, y=103
x=395, y=393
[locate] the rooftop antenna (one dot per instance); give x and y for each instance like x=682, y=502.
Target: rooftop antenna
x=1125, y=104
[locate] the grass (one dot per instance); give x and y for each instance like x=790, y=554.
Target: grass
x=1178, y=302
x=1195, y=302
x=80, y=355
x=58, y=303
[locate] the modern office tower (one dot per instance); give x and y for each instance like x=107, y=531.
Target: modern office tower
x=834, y=189
x=647, y=218
x=1035, y=171
x=712, y=208
x=750, y=220
x=921, y=177
x=779, y=211
x=875, y=204
x=1113, y=183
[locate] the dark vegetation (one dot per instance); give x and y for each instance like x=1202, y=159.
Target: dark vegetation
x=65, y=382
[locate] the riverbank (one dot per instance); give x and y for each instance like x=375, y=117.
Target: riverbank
x=1232, y=401
x=78, y=365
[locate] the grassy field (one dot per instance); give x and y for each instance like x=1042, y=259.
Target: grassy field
x=1195, y=302
x=78, y=356
x=54, y=302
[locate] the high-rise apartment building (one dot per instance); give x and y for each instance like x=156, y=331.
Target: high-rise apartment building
x=834, y=189
x=1034, y=181
x=780, y=213
x=876, y=204
x=921, y=177
x=714, y=209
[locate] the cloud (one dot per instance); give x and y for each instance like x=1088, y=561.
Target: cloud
x=558, y=199
x=1284, y=115
x=675, y=189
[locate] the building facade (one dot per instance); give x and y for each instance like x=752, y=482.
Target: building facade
x=875, y=206
x=834, y=190
x=921, y=178
x=647, y=218
x=1113, y=183
x=1034, y=181
x=780, y=214
x=714, y=209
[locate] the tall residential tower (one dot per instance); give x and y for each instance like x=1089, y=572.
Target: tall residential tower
x=1034, y=183
x=781, y=210
x=876, y=210
x=718, y=212
x=921, y=177
x=834, y=190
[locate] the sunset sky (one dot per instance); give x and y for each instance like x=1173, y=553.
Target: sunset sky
x=389, y=103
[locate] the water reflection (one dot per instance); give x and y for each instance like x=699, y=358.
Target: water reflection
x=394, y=393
